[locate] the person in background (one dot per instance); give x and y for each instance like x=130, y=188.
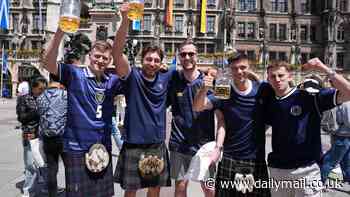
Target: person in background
x=28, y=116
x=340, y=149
x=52, y=108
x=116, y=133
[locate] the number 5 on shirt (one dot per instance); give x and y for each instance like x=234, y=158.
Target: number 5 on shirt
x=99, y=111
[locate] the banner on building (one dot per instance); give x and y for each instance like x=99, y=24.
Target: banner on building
x=169, y=14
x=4, y=14
x=136, y=25
x=203, y=16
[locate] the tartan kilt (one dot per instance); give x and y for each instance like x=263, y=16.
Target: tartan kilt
x=80, y=182
x=227, y=170
x=127, y=173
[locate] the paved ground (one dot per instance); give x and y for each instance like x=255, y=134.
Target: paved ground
x=11, y=162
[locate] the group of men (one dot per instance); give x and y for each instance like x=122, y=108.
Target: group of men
x=144, y=162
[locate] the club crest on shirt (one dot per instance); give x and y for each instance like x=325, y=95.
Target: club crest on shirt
x=100, y=96
x=296, y=110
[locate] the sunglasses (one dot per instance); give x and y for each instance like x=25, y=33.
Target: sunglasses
x=184, y=54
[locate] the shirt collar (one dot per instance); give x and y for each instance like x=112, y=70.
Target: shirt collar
x=287, y=95
x=90, y=74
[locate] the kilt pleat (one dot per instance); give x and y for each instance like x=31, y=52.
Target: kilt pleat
x=127, y=173
x=80, y=182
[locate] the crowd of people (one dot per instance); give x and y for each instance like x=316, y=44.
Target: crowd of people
x=75, y=117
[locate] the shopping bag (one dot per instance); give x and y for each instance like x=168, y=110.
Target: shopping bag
x=37, y=148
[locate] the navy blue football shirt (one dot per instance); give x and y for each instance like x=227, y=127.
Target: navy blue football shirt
x=245, y=129
x=145, y=118
x=295, y=120
x=189, y=129
x=90, y=107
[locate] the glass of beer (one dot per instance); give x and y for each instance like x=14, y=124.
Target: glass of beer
x=69, y=16
x=222, y=88
x=136, y=8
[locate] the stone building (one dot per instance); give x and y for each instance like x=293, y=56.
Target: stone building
x=292, y=30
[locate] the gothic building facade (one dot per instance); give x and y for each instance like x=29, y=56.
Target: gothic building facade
x=292, y=30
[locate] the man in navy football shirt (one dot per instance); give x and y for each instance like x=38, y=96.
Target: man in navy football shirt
x=89, y=119
x=145, y=91
x=295, y=117
x=189, y=129
x=243, y=140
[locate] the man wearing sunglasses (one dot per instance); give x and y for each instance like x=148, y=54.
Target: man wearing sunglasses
x=189, y=130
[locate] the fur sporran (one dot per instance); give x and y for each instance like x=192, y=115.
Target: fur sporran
x=150, y=166
x=97, y=158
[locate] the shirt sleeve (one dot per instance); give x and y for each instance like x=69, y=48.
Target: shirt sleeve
x=326, y=99
x=65, y=73
x=117, y=87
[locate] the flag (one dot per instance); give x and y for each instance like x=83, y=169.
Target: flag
x=174, y=61
x=136, y=25
x=4, y=61
x=4, y=14
x=169, y=14
x=204, y=16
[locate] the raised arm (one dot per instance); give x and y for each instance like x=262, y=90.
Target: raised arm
x=50, y=56
x=120, y=60
x=338, y=81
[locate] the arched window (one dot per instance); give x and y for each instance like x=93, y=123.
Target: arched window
x=340, y=32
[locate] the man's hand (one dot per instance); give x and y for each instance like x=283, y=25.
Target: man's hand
x=215, y=155
x=124, y=8
x=316, y=64
x=208, y=79
x=252, y=75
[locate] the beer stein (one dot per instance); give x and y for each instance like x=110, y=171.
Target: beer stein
x=136, y=9
x=70, y=16
x=222, y=89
